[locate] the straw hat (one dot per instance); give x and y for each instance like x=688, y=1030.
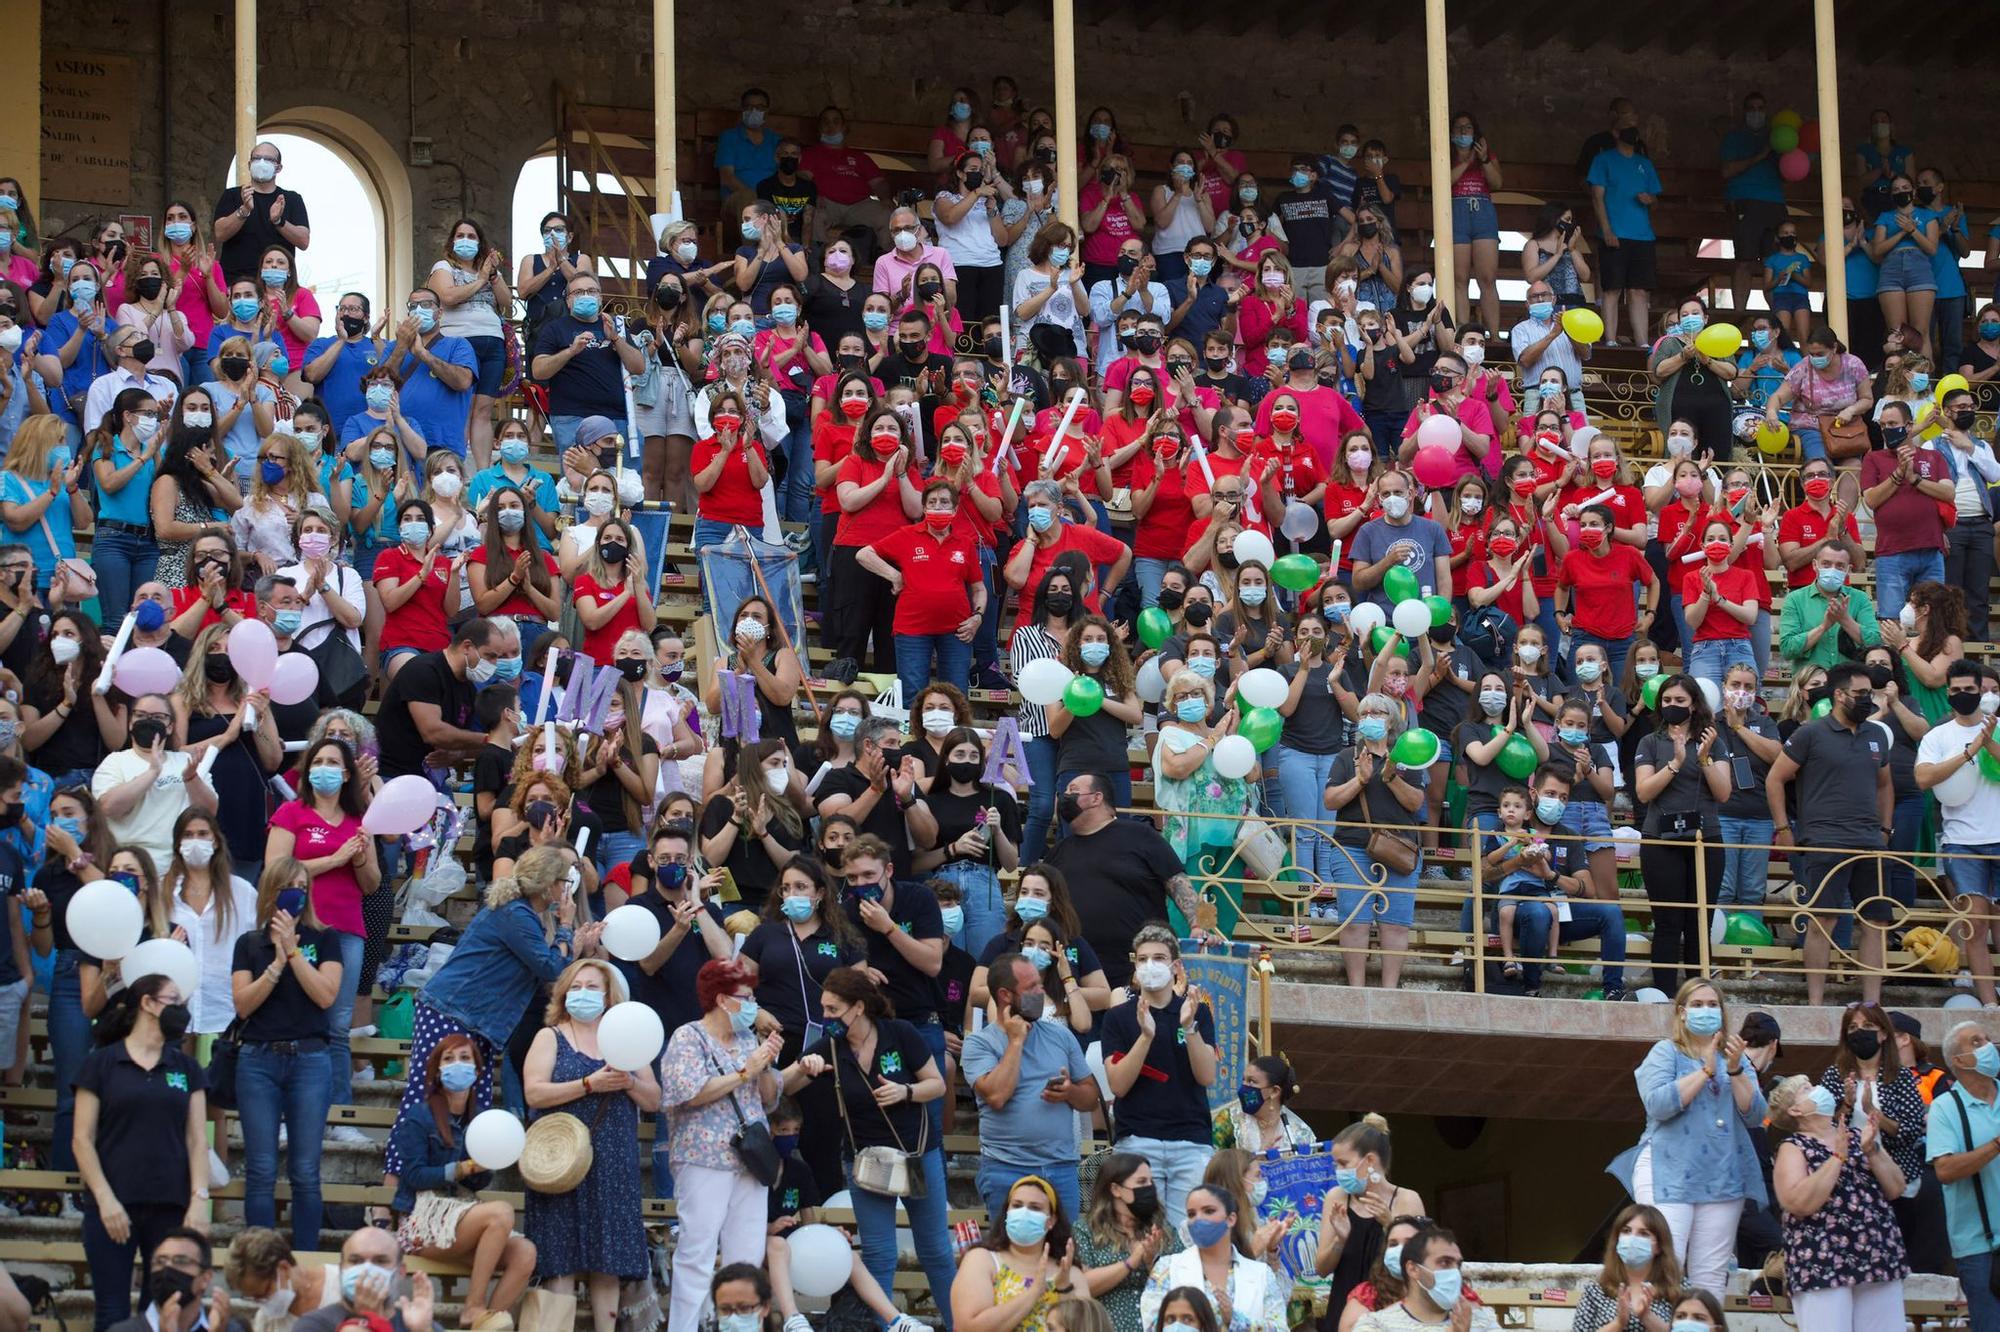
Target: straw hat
x=557, y=1154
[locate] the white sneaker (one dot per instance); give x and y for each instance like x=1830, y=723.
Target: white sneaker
x=361, y=1077
x=798, y=1323
x=905, y=1323
x=349, y=1134
x=218, y=1173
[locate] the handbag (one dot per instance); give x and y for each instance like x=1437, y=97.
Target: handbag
x=1979, y=1195
x=81, y=578
x=557, y=1153
x=888, y=1172
x=1392, y=851
x=1260, y=848
x=223, y=1054
x=341, y=670
x=545, y=1311
x=1843, y=442
x=751, y=1142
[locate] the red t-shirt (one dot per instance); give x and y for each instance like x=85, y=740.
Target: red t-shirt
x=1072, y=461
x=600, y=642
x=936, y=576
x=1098, y=548
x=732, y=499
x=841, y=174
x=986, y=482
x=1342, y=501
x=1681, y=527
x=1163, y=533
x=1602, y=604
x=1297, y=470
x=883, y=515
x=1804, y=525
x=833, y=440
x=1534, y=534
x=418, y=622
x=243, y=603
x=1909, y=520
x=1735, y=584
x=1120, y=430
x=518, y=604
x=1752, y=561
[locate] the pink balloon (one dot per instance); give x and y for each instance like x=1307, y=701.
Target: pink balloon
x=401, y=807
x=146, y=670
x=1439, y=432
x=1795, y=165
x=253, y=651
x=1434, y=466
x=295, y=678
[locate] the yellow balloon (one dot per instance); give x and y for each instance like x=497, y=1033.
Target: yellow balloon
x=1771, y=438
x=1788, y=117
x=1949, y=385
x=1719, y=340
x=1583, y=325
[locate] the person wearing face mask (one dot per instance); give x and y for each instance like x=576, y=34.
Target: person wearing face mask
x=933, y=571
x=433, y=708
x=140, y=1138
x=143, y=789
x=1540, y=342
x=1968, y=561
x=1696, y=1162
x=417, y=587
x=1052, y=607
x=1623, y=188
x=852, y=188
x=1905, y=483
x=1845, y=1259
x=511, y=576
x=470, y=284
x=1693, y=386
x=977, y=216
x=1640, y=1277
x=1025, y=1256
x=1246, y=1293
x=259, y=214
x=1764, y=361
x=1160, y=1058
x=43, y=498
x=1400, y=538
x=280, y=490
x=124, y=450
x=1049, y=536
x=74, y=348
x=133, y=350
x=583, y=358
x=372, y=1286
x=1817, y=522
x=750, y=825
x=436, y=373
x=1682, y=774
x=1903, y=240
x=1870, y=1081
x=978, y=832
x=338, y=363
x=1970, y=811
x=1187, y=787
x=1827, y=392
x=261, y=1268
x=896, y=271
x=1963, y=1144
x=1826, y=618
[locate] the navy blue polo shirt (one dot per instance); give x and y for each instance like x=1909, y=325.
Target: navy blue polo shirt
x=593, y=382
x=142, y=1123
x=1211, y=305
x=341, y=391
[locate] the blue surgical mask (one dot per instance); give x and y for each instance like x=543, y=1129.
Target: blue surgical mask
x=465, y=247
x=1986, y=1061
x=458, y=1077
x=59, y=457
x=744, y=328
x=1202, y=666
x=872, y=320
x=414, y=532
x=1300, y=180
x=785, y=314
x=1191, y=709
x=739, y=1322
x=180, y=233
x=719, y=322
x=286, y=622
x=1183, y=171
x=1572, y=735
x=351, y=1277
x=1206, y=1231
x=1823, y=1101
x=326, y=780
x=1446, y=1286
x=1038, y=958
x=1094, y=654
x=1059, y=255
x=1041, y=518
x=379, y=395
x=1550, y=809
x=66, y=263
x=244, y=308
x=507, y=668
x=72, y=826
x=1688, y=1325
x=1025, y=1225
x=1635, y=1249
x=1253, y=596
x=745, y=1016
x=1704, y=1021
x=954, y=917
x=82, y=292
x=963, y=111
x=275, y=277
x=584, y=1005
x=1541, y=311
x=1031, y=909
x=845, y=724
x=1349, y=1181
x=1461, y=140
x=1760, y=338
x=381, y=459
x=1372, y=728
x=1831, y=580
x=1100, y=132
x=1201, y=267
x=513, y=520
x=1919, y=381
x=1588, y=671
x=1492, y=702
x=1692, y=323
x=1820, y=360
x=1646, y=670
x=751, y=231
x=585, y=306
x=1392, y=1261
x=427, y=316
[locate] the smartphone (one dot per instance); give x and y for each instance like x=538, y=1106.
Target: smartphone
x=1739, y=767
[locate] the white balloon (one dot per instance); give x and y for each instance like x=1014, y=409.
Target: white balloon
x=1962, y=1001
x=494, y=1139
x=840, y=1199
x=1264, y=687
x=630, y=1036
x=105, y=919
x=1366, y=618
x=1412, y=619
x=1041, y=681
x=1300, y=521
x=1235, y=756
x=1439, y=432
x=163, y=957
x=1149, y=684
x=822, y=1260
x=1958, y=788
x=1711, y=692
x=631, y=932
x=1254, y=548
x=1649, y=995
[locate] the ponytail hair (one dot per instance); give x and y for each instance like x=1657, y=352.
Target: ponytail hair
x=122, y=1013
x=1368, y=1136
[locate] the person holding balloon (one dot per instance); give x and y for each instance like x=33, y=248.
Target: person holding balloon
x=1089, y=719
x=1693, y=367
x=1454, y=422
x=1190, y=781
x=1381, y=784
x=1254, y=625
x=1498, y=747
x=574, y=1066
x=216, y=703
x=1953, y=759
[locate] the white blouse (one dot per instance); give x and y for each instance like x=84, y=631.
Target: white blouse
x=212, y=1003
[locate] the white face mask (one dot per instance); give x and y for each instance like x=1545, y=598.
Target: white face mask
x=1471, y=503
x=197, y=851
x=64, y=650
x=278, y=1303
x=597, y=503
x=1473, y=354
x=1530, y=653
x=1153, y=976
x=10, y=338
x=778, y=779
x=1680, y=445
x=446, y=485
x=1421, y=293
x=937, y=721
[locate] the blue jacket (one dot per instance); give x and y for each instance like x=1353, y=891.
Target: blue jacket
x=1701, y=1152
x=491, y=977
x=429, y=1163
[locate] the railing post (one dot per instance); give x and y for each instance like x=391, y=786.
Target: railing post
x=1700, y=899
x=1478, y=914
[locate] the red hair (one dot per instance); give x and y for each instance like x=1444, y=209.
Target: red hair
x=717, y=978
x=434, y=1087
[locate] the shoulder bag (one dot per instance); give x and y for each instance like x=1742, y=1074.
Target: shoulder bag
x=79, y=576
x=1979, y=1194
x=222, y=1058
x=1843, y=442
x=752, y=1143
x=888, y=1172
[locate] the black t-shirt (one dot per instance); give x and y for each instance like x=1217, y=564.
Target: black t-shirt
x=1094, y=744
x=1309, y=217
x=492, y=771
x=56, y=881
x=916, y=914
x=1166, y=1102
x=1748, y=803
x=77, y=742
x=792, y=199
x=954, y=984
x=1230, y=387
x=1383, y=390
x=607, y=796
x=425, y=678
x=142, y=1123
x=1415, y=376
x=1315, y=725
x=957, y=814
x=242, y=253
x=895, y=369
x=13, y=878
x=1117, y=879
x=1483, y=782
x=1445, y=705
x=795, y=1191
x=238, y=781
x=766, y=275
x=1376, y=803
x=296, y=720
x=899, y=1056
x=749, y=861
x=884, y=821
x=790, y=970
x=1686, y=795
x=833, y=313
x=670, y=990
x=288, y=1013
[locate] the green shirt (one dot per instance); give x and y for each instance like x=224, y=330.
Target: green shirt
x=1805, y=607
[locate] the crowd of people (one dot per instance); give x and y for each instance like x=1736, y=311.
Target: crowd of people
x=1005, y=451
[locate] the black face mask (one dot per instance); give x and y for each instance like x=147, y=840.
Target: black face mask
x=1107, y=176
x=149, y=287
x=1047, y=155
x=1059, y=388
x=1127, y=265
x=174, y=1019
x=1879, y=677
x=1848, y=219
x=1368, y=230
x=147, y=732
x=1901, y=198
x=787, y=165
x=1926, y=195
x=1216, y=364
x=234, y=367
x=353, y=325
x=218, y=669
x=1894, y=435
x=1675, y=714
x=1863, y=1042
x=930, y=291
x=632, y=668
x=1442, y=633
x=974, y=179
x=1221, y=140
x=993, y=348
x=613, y=552
x=1788, y=242
x=1964, y=419
x=1965, y=702
x=1146, y=343
x=1630, y=135
x=1198, y=614
x=1069, y=808
x=1145, y=1201
x=167, y=1282
x=1059, y=604
x=851, y=362
x=667, y=298
x=912, y=351
x=1171, y=598
x=967, y=771
x=142, y=350
x=1442, y=383
x=1227, y=559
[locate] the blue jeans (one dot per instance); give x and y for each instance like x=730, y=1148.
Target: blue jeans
x=997, y=1179
x=1177, y=1167
x=1711, y=658
x=123, y=561
x=979, y=891
x=1970, y=878
x=1760, y=641
x=347, y=949
x=1808, y=437
x=563, y=428
x=1302, y=791
x=1745, y=873
x=1534, y=921
x=875, y=1217
x=1895, y=575
x=1614, y=650
x=1150, y=574
x=194, y=366
x=111, y=1262
x=796, y=499
x=986, y=639
x=69, y=1042
x=914, y=653
x=1479, y=823
x=618, y=848
x=713, y=532
x=292, y=1089
x=1974, y=1271
x=1041, y=798
x=1685, y=636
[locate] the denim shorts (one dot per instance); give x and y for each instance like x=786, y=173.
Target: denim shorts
x=1360, y=900
x=1587, y=819
x=490, y=355
x=1906, y=269
x=1473, y=218
x=1973, y=878
x=1785, y=302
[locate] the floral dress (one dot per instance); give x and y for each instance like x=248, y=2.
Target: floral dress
x=1205, y=845
x=1853, y=1239
x=1007, y=1283
x=595, y=1227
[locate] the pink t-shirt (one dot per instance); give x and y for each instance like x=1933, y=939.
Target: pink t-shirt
x=22, y=272
x=796, y=372
x=193, y=302
x=892, y=270
x=336, y=893
x=306, y=304
x=1101, y=246
x=1221, y=190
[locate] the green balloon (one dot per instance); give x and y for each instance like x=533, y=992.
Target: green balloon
x=1155, y=627
x=1594, y=994
x=1383, y=633
x=1261, y=727
x=1650, y=691
x=1415, y=748
x=1517, y=757
x=1296, y=572
x=1082, y=696
x=1989, y=765
x=1784, y=138
x=1741, y=927
x=1400, y=585
x=1440, y=609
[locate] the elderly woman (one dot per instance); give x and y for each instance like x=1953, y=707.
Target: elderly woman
x=1695, y=1161
x=1187, y=786
x=715, y=1080
x=1844, y=1263
x=1213, y=1264
x=1375, y=867
x=595, y=1228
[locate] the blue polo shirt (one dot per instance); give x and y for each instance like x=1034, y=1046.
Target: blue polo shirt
x=241, y=441
x=223, y=332
x=593, y=383
x=1027, y=1133
x=751, y=162
x=1944, y=264
x=341, y=389
x=130, y=504
x=1757, y=182
x=1945, y=1136
x=439, y=412
x=1211, y=305
x=1622, y=179
x=91, y=362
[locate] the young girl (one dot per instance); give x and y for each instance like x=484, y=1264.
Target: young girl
x=1534, y=674
x=1255, y=628
x=1465, y=517
x=1350, y=491
x=1587, y=811
x=1507, y=848
x=1788, y=282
